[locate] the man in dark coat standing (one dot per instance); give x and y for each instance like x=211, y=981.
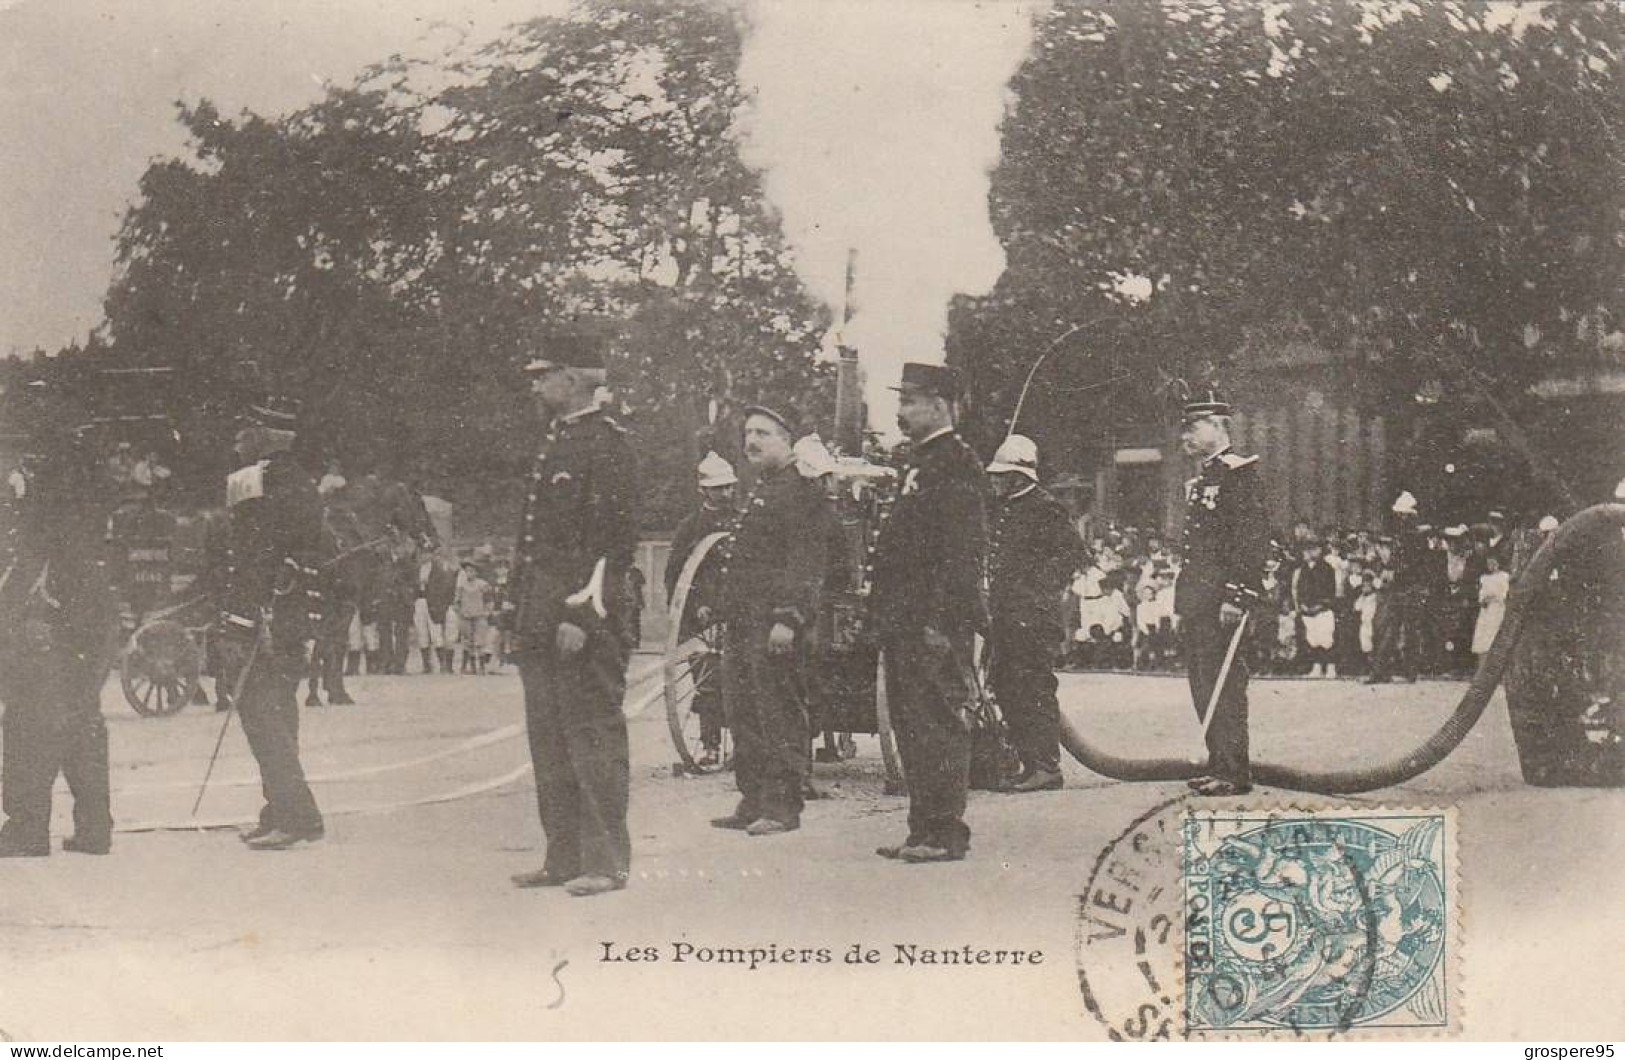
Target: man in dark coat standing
x=261, y=574
x=1400, y=635
x=59, y=633
x=1034, y=551
x=772, y=584
x=577, y=538
x=928, y=601
x=1226, y=535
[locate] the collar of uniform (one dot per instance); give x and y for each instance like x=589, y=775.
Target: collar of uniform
x=1213, y=461
x=928, y=439
x=1027, y=491
x=776, y=473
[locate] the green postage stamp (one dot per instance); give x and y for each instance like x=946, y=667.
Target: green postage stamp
x=1315, y=921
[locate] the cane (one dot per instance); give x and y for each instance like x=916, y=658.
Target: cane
x=1224, y=672
x=231, y=708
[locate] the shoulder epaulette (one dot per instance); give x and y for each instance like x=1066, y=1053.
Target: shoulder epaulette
x=1232, y=461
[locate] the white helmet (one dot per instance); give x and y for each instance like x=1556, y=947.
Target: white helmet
x=715, y=471
x=1016, y=453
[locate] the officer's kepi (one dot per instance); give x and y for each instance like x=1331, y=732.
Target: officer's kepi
x=1209, y=403
x=565, y=354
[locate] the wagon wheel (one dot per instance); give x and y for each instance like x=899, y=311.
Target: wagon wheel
x=888, y=739
x=160, y=669
x=693, y=671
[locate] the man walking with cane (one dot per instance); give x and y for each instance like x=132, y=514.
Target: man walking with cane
x=1226, y=533
x=261, y=576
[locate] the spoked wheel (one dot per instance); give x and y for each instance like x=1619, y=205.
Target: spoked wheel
x=888, y=738
x=161, y=669
x=693, y=673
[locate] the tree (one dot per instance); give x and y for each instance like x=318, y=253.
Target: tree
x=396, y=251
x=1432, y=190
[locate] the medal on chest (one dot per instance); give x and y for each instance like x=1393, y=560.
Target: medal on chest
x=1205, y=494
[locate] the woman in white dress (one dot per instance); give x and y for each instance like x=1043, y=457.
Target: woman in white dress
x=1493, y=586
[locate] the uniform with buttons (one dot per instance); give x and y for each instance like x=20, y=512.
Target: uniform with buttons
x=59, y=634
x=1034, y=551
x=1226, y=539
x=579, y=527
x=929, y=572
x=777, y=560
x=262, y=570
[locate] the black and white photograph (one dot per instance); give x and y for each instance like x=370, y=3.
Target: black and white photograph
x=812, y=520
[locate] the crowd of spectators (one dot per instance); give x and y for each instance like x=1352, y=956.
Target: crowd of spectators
x=1322, y=609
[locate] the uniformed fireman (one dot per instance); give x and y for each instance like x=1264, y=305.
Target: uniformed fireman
x=928, y=602
x=717, y=483
x=1226, y=536
x=576, y=542
x=772, y=585
x=261, y=573
x=59, y=634
x=1400, y=633
x=1033, y=554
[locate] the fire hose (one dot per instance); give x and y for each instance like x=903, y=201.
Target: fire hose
x=1529, y=583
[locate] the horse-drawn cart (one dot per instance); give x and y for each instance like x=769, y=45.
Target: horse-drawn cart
x=162, y=663
x=845, y=691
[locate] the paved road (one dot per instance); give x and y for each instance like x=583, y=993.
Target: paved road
x=402, y=924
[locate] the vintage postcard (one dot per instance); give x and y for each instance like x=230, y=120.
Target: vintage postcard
x=535, y=520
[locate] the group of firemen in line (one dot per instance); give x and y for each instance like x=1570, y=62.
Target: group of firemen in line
x=953, y=559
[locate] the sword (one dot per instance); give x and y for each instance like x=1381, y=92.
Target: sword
x=1224, y=672
x=231, y=708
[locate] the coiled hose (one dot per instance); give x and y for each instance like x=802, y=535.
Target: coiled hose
x=1592, y=522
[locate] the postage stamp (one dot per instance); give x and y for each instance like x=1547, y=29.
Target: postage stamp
x=1329, y=920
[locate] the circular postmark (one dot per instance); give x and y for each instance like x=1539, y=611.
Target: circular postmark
x=1129, y=930
x=1200, y=920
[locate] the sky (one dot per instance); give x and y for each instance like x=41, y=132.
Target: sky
x=87, y=93
x=877, y=129
x=875, y=122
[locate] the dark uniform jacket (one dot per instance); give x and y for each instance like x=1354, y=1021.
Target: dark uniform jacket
x=266, y=560
x=779, y=553
x=580, y=508
x=1226, y=536
x=59, y=616
x=930, y=560
x=1413, y=560
x=1035, y=550
x=695, y=527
